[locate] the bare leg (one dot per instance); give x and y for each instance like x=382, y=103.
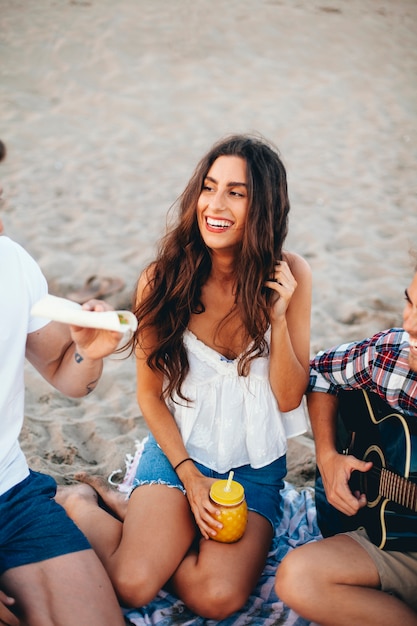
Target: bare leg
x=142, y=553
x=66, y=590
x=217, y=580
x=334, y=582
x=102, y=529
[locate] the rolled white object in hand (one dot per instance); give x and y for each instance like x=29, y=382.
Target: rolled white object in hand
x=69, y=312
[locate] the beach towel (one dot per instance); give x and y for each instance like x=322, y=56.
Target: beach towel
x=297, y=526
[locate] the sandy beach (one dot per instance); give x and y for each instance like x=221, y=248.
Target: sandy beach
x=106, y=108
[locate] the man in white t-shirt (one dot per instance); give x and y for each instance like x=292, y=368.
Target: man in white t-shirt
x=48, y=572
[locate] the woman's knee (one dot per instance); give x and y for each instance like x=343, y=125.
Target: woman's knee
x=137, y=587
x=218, y=600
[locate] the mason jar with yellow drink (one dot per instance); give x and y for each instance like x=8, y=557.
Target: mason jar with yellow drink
x=229, y=496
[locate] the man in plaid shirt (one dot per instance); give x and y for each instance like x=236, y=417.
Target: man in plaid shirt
x=346, y=579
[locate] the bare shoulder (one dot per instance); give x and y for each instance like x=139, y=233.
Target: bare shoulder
x=144, y=282
x=298, y=266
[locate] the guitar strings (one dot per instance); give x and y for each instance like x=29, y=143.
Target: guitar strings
x=396, y=488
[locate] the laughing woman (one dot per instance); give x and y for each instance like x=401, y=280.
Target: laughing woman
x=222, y=354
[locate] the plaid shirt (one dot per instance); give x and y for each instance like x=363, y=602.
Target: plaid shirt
x=378, y=364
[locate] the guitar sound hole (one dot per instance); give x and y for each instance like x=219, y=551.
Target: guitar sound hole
x=370, y=481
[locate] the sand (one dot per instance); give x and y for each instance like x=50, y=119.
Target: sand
x=106, y=108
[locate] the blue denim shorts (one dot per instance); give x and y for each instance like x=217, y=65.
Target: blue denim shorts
x=33, y=527
x=262, y=486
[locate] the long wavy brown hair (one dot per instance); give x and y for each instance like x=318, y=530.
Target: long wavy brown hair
x=183, y=262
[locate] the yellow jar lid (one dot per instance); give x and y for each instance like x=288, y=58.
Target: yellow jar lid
x=228, y=498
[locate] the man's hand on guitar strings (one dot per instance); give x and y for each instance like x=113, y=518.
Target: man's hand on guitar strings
x=336, y=473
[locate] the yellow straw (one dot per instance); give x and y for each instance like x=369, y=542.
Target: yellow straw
x=229, y=481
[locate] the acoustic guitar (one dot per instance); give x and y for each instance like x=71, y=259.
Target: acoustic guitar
x=389, y=439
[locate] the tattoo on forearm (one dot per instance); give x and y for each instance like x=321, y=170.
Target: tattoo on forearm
x=91, y=386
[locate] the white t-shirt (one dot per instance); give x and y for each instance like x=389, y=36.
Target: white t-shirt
x=232, y=420
x=21, y=285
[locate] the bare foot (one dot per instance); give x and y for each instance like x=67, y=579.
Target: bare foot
x=70, y=496
x=114, y=501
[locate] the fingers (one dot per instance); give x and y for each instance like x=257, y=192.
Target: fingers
x=361, y=498
x=362, y=466
x=6, y=616
x=283, y=283
x=5, y=599
x=281, y=277
x=277, y=274
x=347, y=502
x=97, y=305
x=93, y=343
x=100, y=342
x=337, y=488
x=203, y=509
x=205, y=516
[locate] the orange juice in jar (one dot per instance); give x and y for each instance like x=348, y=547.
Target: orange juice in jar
x=229, y=496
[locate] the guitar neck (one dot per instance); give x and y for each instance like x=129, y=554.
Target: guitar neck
x=397, y=489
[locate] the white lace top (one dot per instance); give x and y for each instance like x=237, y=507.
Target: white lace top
x=232, y=420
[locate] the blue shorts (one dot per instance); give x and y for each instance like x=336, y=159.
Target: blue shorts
x=262, y=486
x=33, y=527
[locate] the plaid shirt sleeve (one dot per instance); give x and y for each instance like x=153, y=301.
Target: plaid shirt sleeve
x=378, y=364
x=347, y=366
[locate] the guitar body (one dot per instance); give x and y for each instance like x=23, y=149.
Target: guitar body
x=389, y=440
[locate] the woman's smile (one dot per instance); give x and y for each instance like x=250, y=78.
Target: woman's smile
x=218, y=225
